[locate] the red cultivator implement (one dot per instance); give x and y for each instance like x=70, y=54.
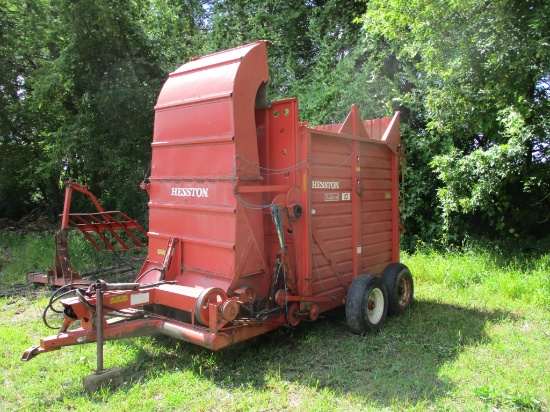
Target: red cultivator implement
x=107, y=231
x=256, y=221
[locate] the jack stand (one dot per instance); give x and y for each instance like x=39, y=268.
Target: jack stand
x=102, y=377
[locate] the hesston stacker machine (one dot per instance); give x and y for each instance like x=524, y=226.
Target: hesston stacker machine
x=256, y=222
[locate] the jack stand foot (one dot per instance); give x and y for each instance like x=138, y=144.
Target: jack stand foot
x=107, y=377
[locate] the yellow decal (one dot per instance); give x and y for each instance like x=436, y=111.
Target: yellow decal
x=388, y=195
x=304, y=184
x=118, y=299
x=161, y=252
x=357, y=169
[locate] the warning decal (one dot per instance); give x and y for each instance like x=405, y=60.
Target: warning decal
x=118, y=299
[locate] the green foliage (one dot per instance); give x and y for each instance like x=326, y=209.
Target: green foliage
x=79, y=80
x=478, y=182
x=488, y=268
x=479, y=74
x=82, y=80
x=24, y=29
x=112, y=81
x=517, y=401
x=283, y=23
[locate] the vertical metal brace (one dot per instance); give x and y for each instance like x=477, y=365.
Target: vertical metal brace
x=99, y=328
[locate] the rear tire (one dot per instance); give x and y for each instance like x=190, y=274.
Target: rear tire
x=400, y=287
x=366, y=304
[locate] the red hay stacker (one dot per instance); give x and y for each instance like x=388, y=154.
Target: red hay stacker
x=256, y=220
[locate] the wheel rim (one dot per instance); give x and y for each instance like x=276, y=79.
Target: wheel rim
x=404, y=292
x=375, y=306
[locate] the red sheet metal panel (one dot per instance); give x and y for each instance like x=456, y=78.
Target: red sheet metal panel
x=282, y=167
x=353, y=186
x=376, y=208
x=347, y=185
x=204, y=148
x=331, y=189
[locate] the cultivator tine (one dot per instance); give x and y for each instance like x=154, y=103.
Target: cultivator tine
x=90, y=223
x=131, y=224
x=86, y=228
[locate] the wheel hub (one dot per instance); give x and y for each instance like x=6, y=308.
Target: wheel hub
x=404, y=292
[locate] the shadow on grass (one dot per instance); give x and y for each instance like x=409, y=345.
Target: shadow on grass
x=402, y=363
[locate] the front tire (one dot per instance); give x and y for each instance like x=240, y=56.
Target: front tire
x=366, y=304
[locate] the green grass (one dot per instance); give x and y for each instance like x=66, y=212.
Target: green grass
x=35, y=252
x=477, y=337
x=19, y=255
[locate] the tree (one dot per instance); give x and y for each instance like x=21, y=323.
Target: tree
x=79, y=79
x=25, y=44
x=79, y=83
x=481, y=81
x=283, y=23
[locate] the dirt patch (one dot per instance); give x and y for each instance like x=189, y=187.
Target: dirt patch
x=18, y=310
x=25, y=290
x=28, y=225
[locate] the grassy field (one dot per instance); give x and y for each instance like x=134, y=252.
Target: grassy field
x=477, y=337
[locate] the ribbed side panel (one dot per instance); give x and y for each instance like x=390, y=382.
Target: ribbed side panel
x=376, y=208
x=331, y=219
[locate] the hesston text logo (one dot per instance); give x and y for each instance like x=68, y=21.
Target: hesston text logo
x=190, y=191
x=316, y=184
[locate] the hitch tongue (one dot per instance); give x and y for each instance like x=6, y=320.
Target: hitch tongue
x=32, y=352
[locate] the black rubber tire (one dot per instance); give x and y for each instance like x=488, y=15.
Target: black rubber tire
x=400, y=287
x=364, y=292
